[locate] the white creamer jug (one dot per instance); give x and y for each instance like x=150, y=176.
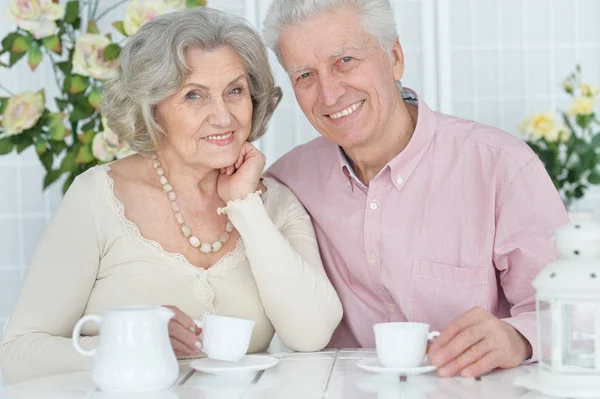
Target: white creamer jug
x=135, y=353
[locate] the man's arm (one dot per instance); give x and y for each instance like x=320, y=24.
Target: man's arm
x=528, y=212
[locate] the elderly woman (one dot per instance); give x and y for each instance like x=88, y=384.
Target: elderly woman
x=186, y=222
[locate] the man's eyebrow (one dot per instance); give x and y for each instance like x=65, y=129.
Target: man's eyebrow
x=297, y=69
x=341, y=51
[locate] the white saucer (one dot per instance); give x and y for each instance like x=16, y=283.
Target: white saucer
x=249, y=363
x=374, y=366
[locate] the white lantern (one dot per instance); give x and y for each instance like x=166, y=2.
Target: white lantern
x=568, y=315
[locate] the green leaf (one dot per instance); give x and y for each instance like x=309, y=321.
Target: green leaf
x=594, y=177
x=7, y=42
x=190, y=4
x=588, y=159
x=92, y=27
x=95, y=97
x=41, y=146
x=35, y=56
x=90, y=125
x=58, y=132
x=119, y=26
x=21, y=44
x=111, y=52
x=68, y=163
x=579, y=192
x=82, y=110
x=87, y=136
x=584, y=120
x=3, y=103
x=78, y=84
x=595, y=143
x=57, y=146
x=52, y=43
x=22, y=142
x=72, y=12
x=61, y=104
x=65, y=67
x=47, y=159
x=6, y=146
x=14, y=58
x=51, y=177
x=85, y=155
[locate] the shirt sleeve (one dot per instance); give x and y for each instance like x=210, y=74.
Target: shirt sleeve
x=297, y=295
x=37, y=338
x=528, y=213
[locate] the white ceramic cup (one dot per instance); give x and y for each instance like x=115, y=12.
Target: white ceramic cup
x=225, y=338
x=402, y=345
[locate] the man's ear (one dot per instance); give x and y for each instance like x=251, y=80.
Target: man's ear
x=398, y=57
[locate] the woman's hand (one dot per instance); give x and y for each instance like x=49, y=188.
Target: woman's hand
x=241, y=178
x=184, y=334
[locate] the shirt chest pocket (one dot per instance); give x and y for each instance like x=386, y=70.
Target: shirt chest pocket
x=439, y=293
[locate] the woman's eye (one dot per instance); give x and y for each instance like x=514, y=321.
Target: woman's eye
x=237, y=90
x=193, y=96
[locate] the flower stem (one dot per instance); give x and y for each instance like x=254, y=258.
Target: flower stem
x=109, y=9
x=10, y=93
x=55, y=69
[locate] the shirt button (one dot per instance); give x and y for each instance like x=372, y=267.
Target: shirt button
x=399, y=180
x=373, y=260
x=200, y=273
x=373, y=205
x=392, y=307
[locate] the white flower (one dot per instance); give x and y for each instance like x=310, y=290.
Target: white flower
x=139, y=12
x=107, y=146
x=88, y=59
x=36, y=16
x=22, y=112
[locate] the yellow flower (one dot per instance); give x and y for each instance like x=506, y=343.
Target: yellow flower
x=582, y=106
x=88, y=58
x=140, y=12
x=35, y=16
x=540, y=125
x=589, y=90
x=107, y=146
x=562, y=134
x=22, y=112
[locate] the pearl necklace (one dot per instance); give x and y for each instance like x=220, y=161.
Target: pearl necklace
x=194, y=241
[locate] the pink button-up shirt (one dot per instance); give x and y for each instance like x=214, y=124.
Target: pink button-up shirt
x=463, y=217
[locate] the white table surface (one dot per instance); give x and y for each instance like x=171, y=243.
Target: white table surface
x=327, y=374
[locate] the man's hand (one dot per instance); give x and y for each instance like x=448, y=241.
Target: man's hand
x=476, y=343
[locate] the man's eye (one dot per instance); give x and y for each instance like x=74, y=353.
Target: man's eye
x=346, y=59
x=304, y=75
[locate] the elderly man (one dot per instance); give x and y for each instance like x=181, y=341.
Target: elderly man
x=420, y=216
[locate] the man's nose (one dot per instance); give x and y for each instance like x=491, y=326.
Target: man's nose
x=330, y=89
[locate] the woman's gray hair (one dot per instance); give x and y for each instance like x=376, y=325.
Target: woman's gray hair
x=377, y=18
x=152, y=67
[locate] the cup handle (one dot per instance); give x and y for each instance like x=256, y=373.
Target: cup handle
x=433, y=335
x=77, y=333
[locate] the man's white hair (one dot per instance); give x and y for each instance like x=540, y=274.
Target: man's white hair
x=377, y=18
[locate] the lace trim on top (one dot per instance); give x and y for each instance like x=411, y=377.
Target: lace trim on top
x=228, y=261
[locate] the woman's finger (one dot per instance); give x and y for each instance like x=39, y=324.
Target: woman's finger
x=184, y=336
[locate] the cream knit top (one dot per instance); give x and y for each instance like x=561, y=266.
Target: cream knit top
x=91, y=258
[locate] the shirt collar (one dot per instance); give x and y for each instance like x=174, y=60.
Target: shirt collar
x=403, y=164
